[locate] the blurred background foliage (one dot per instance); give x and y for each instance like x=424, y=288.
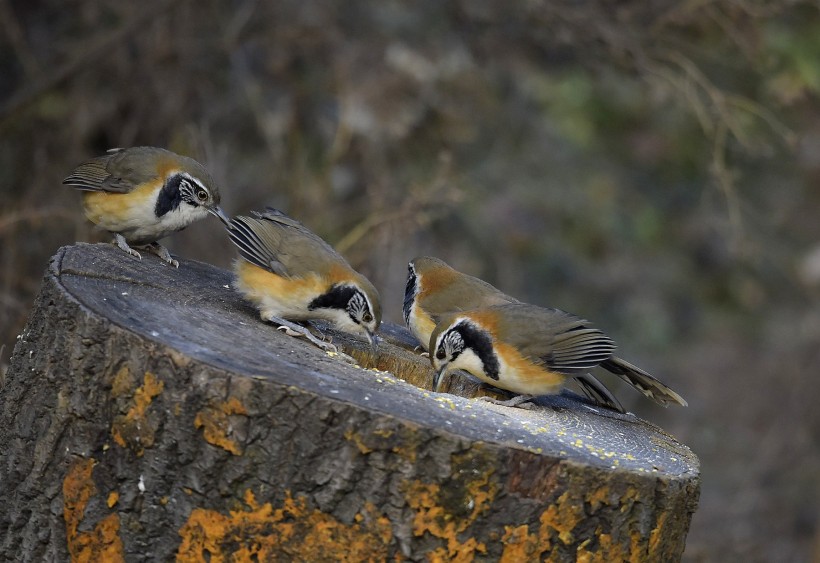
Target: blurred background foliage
x=649, y=165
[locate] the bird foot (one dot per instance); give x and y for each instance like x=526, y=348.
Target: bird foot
x=293, y=329
x=162, y=252
x=120, y=242
x=520, y=401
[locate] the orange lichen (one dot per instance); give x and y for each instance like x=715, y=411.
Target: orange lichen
x=520, y=545
x=292, y=532
x=562, y=517
x=113, y=497
x=354, y=437
x=216, y=424
x=102, y=543
x=560, y=520
x=77, y=489
x=446, y=512
x=134, y=429
x=607, y=550
x=556, y=523
x=403, y=443
x=122, y=383
x=431, y=517
x=656, y=536
x=598, y=497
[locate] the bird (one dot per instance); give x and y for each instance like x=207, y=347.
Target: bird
x=143, y=194
x=290, y=274
x=434, y=289
x=532, y=351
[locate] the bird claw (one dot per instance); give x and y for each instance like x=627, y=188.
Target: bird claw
x=293, y=329
x=153, y=248
x=288, y=331
x=519, y=401
x=134, y=253
x=122, y=244
x=162, y=252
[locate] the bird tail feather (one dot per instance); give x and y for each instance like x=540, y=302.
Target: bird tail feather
x=643, y=382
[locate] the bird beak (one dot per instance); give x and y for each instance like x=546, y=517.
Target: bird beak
x=374, y=341
x=219, y=214
x=437, y=378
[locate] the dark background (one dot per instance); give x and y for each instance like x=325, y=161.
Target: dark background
x=649, y=165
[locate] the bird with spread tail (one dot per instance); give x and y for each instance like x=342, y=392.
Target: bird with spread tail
x=290, y=274
x=435, y=289
x=143, y=194
x=531, y=350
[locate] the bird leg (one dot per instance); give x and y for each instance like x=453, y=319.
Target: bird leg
x=520, y=401
x=120, y=241
x=293, y=329
x=162, y=252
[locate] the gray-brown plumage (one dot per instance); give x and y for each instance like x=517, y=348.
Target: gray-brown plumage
x=532, y=350
x=291, y=274
x=143, y=194
x=435, y=289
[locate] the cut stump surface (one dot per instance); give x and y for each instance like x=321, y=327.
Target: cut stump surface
x=148, y=414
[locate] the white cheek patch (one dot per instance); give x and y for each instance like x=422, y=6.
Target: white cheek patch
x=470, y=362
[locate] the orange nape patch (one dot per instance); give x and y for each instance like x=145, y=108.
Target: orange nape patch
x=103, y=542
x=292, y=532
x=167, y=166
x=116, y=211
x=435, y=279
x=259, y=285
x=488, y=320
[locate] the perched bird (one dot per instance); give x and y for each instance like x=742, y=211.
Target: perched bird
x=291, y=274
x=434, y=289
x=531, y=350
x=143, y=194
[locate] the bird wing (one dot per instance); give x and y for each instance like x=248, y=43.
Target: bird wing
x=281, y=245
x=118, y=171
x=558, y=340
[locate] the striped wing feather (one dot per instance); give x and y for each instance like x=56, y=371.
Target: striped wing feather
x=559, y=340
x=119, y=171
x=282, y=245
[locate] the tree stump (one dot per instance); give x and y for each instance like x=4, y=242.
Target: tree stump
x=149, y=415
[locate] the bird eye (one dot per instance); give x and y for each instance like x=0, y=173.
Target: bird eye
x=367, y=317
x=440, y=354
x=202, y=195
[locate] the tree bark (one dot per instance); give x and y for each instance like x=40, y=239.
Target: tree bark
x=149, y=415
